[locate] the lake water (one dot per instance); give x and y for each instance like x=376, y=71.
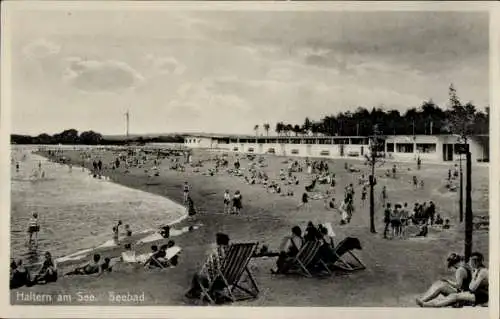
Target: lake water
x=76, y=211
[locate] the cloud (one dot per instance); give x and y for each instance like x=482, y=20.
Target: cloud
x=41, y=49
x=165, y=65
x=101, y=76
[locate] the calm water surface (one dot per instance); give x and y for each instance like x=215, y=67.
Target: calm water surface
x=76, y=211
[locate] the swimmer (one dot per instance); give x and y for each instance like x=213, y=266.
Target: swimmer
x=33, y=229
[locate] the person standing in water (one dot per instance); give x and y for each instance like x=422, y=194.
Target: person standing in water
x=33, y=229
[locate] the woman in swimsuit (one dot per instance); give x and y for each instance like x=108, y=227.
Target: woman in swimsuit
x=477, y=292
x=445, y=287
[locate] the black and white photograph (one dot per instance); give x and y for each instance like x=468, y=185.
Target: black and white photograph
x=248, y=157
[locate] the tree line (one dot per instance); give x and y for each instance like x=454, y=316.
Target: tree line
x=72, y=136
x=459, y=118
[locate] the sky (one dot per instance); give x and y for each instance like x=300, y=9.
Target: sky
x=226, y=71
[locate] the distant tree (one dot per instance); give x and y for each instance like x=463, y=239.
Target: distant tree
x=266, y=128
x=44, y=138
x=67, y=137
x=296, y=129
x=289, y=129
x=256, y=129
x=306, y=127
x=279, y=128
x=90, y=138
x=461, y=117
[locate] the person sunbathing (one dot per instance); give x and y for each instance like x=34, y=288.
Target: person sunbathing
x=475, y=294
x=208, y=273
x=48, y=271
x=19, y=275
x=92, y=267
x=445, y=287
x=293, y=244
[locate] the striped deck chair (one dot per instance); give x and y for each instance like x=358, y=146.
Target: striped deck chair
x=304, y=260
x=344, y=248
x=230, y=271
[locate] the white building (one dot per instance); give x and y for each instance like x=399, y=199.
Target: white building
x=431, y=148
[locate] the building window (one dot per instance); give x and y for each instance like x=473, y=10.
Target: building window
x=271, y=150
x=250, y=149
x=426, y=147
x=295, y=141
x=235, y=149
x=233, y=140
x=324, y=153
x=261, y=141
x=283, y=141
x=404, y=147
x=390, y=147
x=295, y=151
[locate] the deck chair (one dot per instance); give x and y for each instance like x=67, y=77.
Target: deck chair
x=345, y=247
x=304, y=260
x=232, y=268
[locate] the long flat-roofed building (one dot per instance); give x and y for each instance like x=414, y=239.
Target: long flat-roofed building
x=431, y=148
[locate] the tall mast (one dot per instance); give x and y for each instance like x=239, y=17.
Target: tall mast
x=127, y=116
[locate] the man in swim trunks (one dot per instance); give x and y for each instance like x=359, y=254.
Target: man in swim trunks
x=33, y=229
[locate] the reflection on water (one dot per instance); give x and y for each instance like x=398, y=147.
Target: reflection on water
x=76, y=211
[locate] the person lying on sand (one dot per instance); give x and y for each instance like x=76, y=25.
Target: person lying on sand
x=92, y=267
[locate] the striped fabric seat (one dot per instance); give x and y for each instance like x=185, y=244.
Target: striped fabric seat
x=305, y=258
x=229, y=267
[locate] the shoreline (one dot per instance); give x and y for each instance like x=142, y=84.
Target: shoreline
x=85, y=253
x=409, y=265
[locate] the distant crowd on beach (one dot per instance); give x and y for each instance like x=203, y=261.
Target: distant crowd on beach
x=468, y=287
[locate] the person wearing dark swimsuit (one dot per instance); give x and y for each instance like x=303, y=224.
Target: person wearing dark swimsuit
x=445, y=287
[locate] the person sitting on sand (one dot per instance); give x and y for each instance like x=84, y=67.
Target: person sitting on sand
x=209, y=272
x=477, y=292
x=423, y=229
x=92, y=267
x=106, y=266
x=312, y=233
x=165, y=231
x=19, y=275
x=446, y=224
x=289, y=249
x=439, y=220
x=445, y=287
x=48, y=271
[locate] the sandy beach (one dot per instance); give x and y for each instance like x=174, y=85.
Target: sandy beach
x=397, y=270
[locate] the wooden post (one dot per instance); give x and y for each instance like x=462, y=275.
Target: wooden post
x=461, y=197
